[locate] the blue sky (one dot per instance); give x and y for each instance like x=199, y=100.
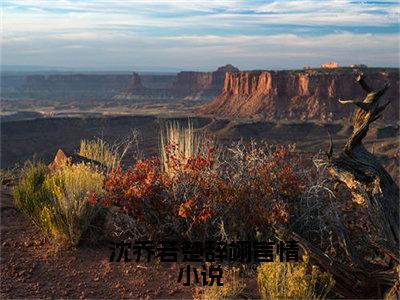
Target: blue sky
x=198, y=35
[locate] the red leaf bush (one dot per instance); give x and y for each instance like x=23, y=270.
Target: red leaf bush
x=216, y=193
x=138, y=192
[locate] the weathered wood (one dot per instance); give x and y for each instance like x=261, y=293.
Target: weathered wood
x=368, y=180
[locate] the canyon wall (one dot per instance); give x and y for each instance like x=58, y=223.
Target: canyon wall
x=147, y=88
x=164, y=81
x=302, y=95
x=186, y=85
x=201, y=86
x=65, y=86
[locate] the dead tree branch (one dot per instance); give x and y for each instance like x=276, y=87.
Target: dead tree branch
x=368, y=180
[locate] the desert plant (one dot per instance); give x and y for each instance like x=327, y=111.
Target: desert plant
x=233, y=287
x=9, y=176
x=210, y=194
x=110, y=155
x=74, y=189
x=261, y=178
x=293, y=280
x=100, y=151
x=178, y=144
x=31, y=196
x=138, y=192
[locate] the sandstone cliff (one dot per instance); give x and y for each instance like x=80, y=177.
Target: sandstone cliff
x=302, y=95
x=201, y=86
x=186, y=85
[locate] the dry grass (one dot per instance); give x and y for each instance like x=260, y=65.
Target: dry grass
x=233, y=287
x=71, y=188
x=178, y=142
x=288, y=280
x=109, y=155
x=100, y=151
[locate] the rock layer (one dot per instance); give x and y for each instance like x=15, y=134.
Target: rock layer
x=304, y=95
x=185, y=85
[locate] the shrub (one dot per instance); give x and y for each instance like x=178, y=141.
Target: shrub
x=210, y=194
x=293, y=280
x=178, y=144
x=100, y=151
x=139, y=193
x=58, y=203
x=192, y=192
x=74, y=189
x=258, y=183
x=233, y=287
x=31, y=196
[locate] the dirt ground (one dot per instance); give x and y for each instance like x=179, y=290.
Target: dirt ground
x=32, y=268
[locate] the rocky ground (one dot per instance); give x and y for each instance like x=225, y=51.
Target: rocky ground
x=33, y=268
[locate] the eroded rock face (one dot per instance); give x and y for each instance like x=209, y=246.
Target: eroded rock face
x=186, y=85
x=302, y=95
x=145, y=87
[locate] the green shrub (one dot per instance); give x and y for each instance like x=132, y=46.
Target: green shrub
x=31, y=196
x=71, y=189
x=293, y=280
x=62, y=204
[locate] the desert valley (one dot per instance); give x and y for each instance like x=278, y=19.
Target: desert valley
x=202, y=149
x=161, y=140
x=299, y=106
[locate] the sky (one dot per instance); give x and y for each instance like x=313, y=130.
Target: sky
x=198, y=35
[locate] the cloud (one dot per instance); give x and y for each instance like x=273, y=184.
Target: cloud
x=199, y=32
x=207, y=51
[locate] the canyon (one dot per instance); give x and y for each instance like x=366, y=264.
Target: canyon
x=186, y=85
x=299, y=95
x=62, y=86
x=309, y=94
x=298, y=106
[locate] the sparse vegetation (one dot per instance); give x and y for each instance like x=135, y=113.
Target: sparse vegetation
x=31, y=195
x=100, y=151
x=61, y=204
x=198, y=190
x=233, y=287
x=9, y=176
x=74, y=190
x=288, y=280
x=109, y=155
x=177, y=142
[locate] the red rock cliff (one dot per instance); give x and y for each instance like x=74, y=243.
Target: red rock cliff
x=186, y=85
x=208, y=83
x=298, y=95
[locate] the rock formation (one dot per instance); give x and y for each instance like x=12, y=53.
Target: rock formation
x=73, y=86
x=185, y=85
x=62, y=159
x=300, y=95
